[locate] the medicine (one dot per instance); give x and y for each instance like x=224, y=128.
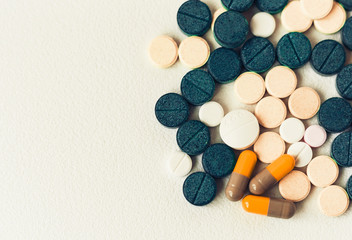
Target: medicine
x=293, y=18
x=249, y=87
x=180, y=163
x=163, y=51
x=322, y=171
x=216, y=14
x=333, y=201
x=271, y=6
x=344, y=82
x=341, y=149
x=295, y=186
x=292, y=130
x=194, y=52
x=347, y=4
x=237, y=185
x=269, y=147
x=333, y=22
x=262, y=25
x=315, y=136
x=273, y=173
x=270, y=112
x=316, y=9
x=304, y=103
x=211, y=114
x=237, y=5
x=271, y=207
x=302, y=153
x=349, y=187
x=280, y=81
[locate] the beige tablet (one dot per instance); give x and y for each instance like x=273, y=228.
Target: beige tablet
x=163, y=51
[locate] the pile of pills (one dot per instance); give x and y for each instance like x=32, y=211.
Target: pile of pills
x=256, y=82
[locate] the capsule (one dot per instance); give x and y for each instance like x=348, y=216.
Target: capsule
x=272, y=207
x=240, y=176
x=271, y=174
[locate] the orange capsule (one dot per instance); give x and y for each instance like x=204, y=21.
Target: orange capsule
x=240, y=176
x=271, y=174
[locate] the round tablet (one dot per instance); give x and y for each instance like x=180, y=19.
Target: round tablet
x=293, y=18
x=293, y=50
x=292, y=130
x=193, y=137
x=218, y=160
x=269, y=147
x=199, y=188
x=239, y=129
x=194, y=18
x=295, y=186
x=216, y=14
x=237, y=5
x=270, y=112
x=163, y=51
x=349, y=187
x=304, y=103
x=344, y=82
x=258, y=54
x=322, y=171
x=315, y=136
x=224, y=65
x=180, y=163
x=197, y=87
x=347, y=4
x=316, y=9
x=231, y=29
x=262, y=24
x=249, y=87
x=271, y=6
x=301, y=152
x=194, y=52
x=280, y=81
x=333, y=201
x=347, y=34
x=333, y=22
x=211, y=114
x=171, y=110
x=335, y=115
x=341, y=149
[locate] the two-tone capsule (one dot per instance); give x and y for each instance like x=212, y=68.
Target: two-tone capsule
x=240, y=176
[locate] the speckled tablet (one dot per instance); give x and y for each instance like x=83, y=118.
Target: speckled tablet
x=194, y=52
x=316, y=9
x=347, y=34
x=270, y=112
x=293, y=18
x=322, y=171
x=271, y=6
x=249, y=87
x=237, y=5
x=304, y=103
x=341, y=149
x=280, y=81
x=269, y=147
x=295, y=186
x=349, y=187
x=216, y=14
x=333, y=201
x=344, y=82
x=333, y=22
x=347, y=4
x=163, y=51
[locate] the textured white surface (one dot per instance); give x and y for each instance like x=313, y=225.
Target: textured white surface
x=81, y=153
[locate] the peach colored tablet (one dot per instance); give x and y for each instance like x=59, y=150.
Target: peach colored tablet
x=280, y=81
x=269, y=147
x=270, y=112
x=322, y=171
x=316, y=9
x=304, y=103
x=163, y=51
x=333, y=201
x=194, y=52
x=249, y=87
x=333, y=22
x=293, y=18
x=295, y=186
x=216, y=14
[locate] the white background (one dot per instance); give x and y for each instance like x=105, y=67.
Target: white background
x=81, y=153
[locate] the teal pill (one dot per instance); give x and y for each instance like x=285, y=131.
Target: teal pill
x=344, y=82
x=271, y=6
x=346, y=34
x=349, y=187
x=341, y=149
x=347, y=4
x=237, y=5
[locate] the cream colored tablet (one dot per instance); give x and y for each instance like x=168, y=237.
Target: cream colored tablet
x=304, y=103
x=216, y=14
x=333, y=201
x=302, y=153
x=280, y=81
x=263, y=24
x=270, y=112
x=316, y=9
x=194, y=52
x=333, y=22
x=211, y=114
x=295, y=186
x=293, y=18
x=322, y=171
x=180, y=163
x=269, y=147
x=249, y=87
x=163, y=51
x=292, y=130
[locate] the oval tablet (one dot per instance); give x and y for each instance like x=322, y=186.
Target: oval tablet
x=333, y=201
x=304, y=103
x=163, y=51
x=301, y=152
x=180, y=163
x=194, y=52
x=344, y=82
x=271, y=6
x=293, y=18
x=280, y=81
x=322, y=171
x=262, y=24
x=315, y=136
x=269, y=147
x=211, y=114
x=333, y=22
x=341, y=149
x=295, y=186
x=347, y=34
x=292, y=130
x=270, y=112
x=316, y=9
x=249, y=87
x=237, y=5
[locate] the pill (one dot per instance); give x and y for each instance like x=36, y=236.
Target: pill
x=262, y=24
x=258, y=54
x=218, y=160
x=271, y=6
x=180, y=163
x=341, y=149
x=304, y=103
x=171, y=110
x=347, y=4
x=295, y=186
x=335, y=115
x=322, y=171
x=280, y=81
x=333, y=201
x=270, y=175
x=193, y=137
x=269, y=147
x=302, y=153
x=163, y=51
x=231, y=29
x=349, y=187
x=316, y=9
x=347, y=34
x=272, y=207
x=333, y=22
x=194, y=18
x=293, y=18
x=292, y=130
x=344, y=82
x=197, y=87
x=293, y=50
x=270, y=112
x=199, y=188
x=239, y=129
x=211, y=114
x=249, y=87
x=237, y=5
x=194, y=52
x=216, y=14
x=238, y=182
x=315, y=136
x=224, y=65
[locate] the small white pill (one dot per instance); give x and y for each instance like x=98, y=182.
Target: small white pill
x=292, y=130
x=211, y=114
x=180, y=163
x=302, y=152
x=263, y=24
